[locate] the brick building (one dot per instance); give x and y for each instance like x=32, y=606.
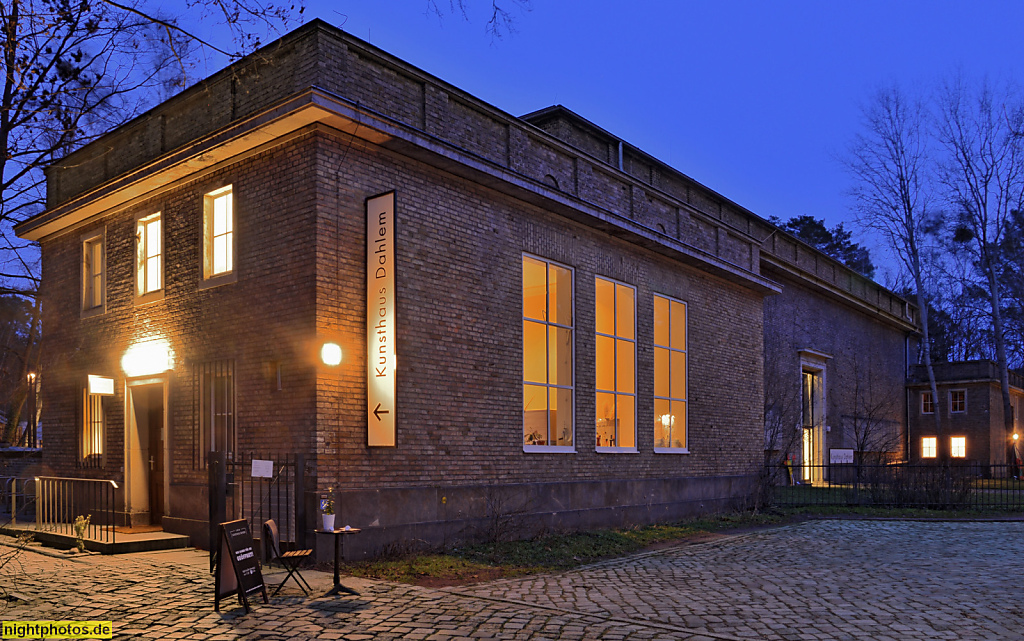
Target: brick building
x=970, y=410
x=531, y=315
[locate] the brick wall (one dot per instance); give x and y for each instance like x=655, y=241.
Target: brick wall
x=864, y=376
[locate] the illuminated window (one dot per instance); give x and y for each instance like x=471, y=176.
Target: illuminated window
x=149, y=255
x=669, y=375
x=957, y=401
x=93, y=274
x=93, y=431
x=218, y=233
x=927, y=403
x=547, y=356
x=958, y=446
x=616, y=364
x=215, y=409
x=928, y=447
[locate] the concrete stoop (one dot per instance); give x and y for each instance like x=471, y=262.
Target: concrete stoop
x=123, y=543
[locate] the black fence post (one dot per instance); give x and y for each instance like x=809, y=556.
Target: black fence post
x=300, y=500
x=218, y=486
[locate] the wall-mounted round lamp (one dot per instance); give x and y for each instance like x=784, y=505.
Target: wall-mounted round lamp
x=1016, y=436
x=330, y=354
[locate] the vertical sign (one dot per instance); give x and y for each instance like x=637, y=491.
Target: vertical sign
x=380, y=320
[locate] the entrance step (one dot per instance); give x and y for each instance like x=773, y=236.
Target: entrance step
x=126, y=540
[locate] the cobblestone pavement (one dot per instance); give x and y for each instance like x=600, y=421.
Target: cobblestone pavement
x=817, y=580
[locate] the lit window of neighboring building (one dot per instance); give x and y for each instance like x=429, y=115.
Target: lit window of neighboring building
x=93, y=274
x=547, y=355
x=928, y=447
x=615, y=345
x=93, y=430
x=957, y=401
x=218, y=233
x=958, y=447
x=149, y=253
x=927, y=403
x=669, y=375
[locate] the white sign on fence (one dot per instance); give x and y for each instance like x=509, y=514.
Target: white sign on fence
x=262, y=469
x=840, y=456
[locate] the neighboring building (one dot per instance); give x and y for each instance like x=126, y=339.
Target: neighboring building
x=456, y=314
x=970, y=408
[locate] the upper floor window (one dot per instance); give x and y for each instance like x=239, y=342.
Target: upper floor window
x=149, y=252
x=615, y=383
x=218, y=233
x=93, y=274
x=927, y=403
x=957, y=401
x=547, y=356
x=669, y=375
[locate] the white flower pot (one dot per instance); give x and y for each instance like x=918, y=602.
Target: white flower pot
x=328, y=521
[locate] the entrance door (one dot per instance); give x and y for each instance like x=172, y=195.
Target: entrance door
x=812, y=422
x=146, y=476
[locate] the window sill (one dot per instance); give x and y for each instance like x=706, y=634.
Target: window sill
x=550, y=449
x=95, y=311
x=218, y=280
x=617, y=450
x=151, y=297
x=671, y=450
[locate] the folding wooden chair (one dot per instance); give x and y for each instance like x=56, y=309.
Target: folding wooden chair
x=290, y=560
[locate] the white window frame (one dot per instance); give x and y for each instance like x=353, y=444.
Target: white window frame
x=686, y=351
x=88, y=279
x=953, y=445
x=213, y=278
x=951, y=410
x=143, y=261
x=556, y=449
x=929, y=447
x=925, y=394
x=607, y=449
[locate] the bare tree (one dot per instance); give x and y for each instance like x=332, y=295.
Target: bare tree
x=983, y=175
x=893, y=197
x=500, y=20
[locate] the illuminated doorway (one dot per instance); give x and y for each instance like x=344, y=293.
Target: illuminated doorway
x=146, y=452
x=812, y=425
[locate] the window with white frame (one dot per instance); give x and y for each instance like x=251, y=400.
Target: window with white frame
x=91, y=441
x=547, y=356
x=218, y=233
x=957, y=401
x=615, y=346
x=927, y=403
x=929, y=447
x=669, y=375
x=93, y=274
x=958, y=447
x=149, y=267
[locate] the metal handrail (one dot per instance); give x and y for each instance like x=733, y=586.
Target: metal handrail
x=59, y=500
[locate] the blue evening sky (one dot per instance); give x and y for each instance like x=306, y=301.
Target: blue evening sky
x=753, y=99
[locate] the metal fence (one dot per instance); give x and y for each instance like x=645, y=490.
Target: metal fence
x=59, y=501
x=237, y=493
x=971, y=486
x=17, y=500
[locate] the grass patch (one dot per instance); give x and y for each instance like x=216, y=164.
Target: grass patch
x=552, y=552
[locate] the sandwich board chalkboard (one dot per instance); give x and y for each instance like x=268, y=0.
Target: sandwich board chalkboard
x=238, y=568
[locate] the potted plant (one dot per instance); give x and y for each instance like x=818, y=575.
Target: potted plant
x=327, y=505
